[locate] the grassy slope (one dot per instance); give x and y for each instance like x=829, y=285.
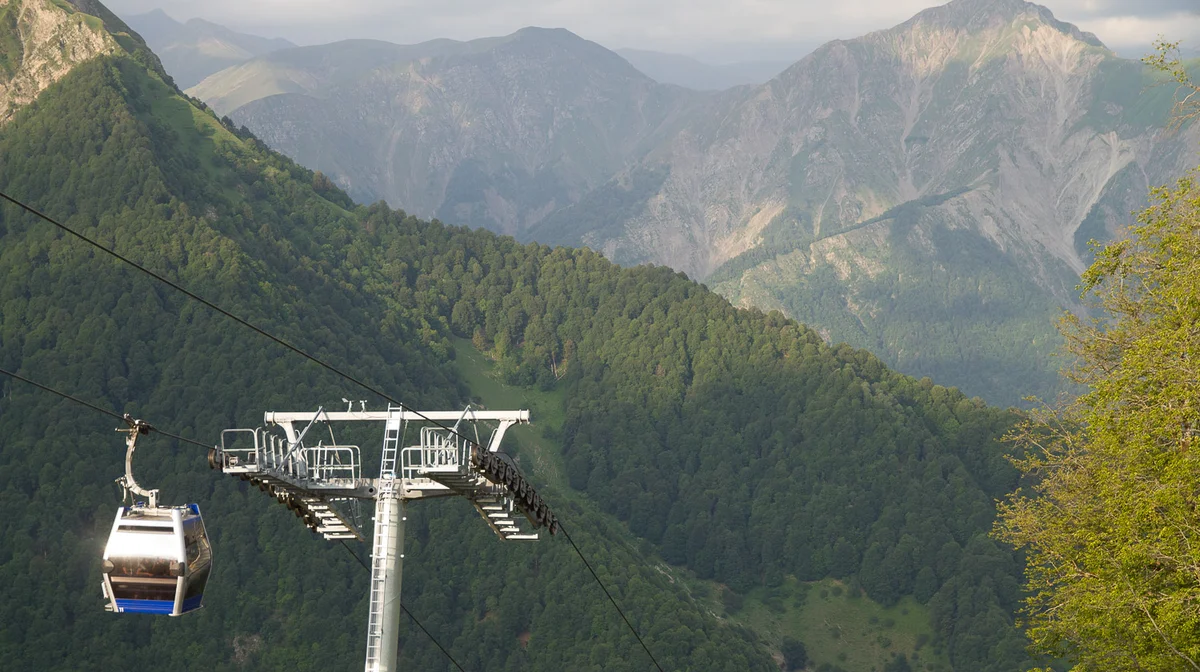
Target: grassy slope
x=533, y=441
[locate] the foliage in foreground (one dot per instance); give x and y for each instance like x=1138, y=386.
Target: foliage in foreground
x=1110, y=516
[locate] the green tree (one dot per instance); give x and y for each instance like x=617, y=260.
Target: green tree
x=1109, y=514
x=795, y=656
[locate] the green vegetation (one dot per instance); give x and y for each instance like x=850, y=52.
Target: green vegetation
x=12, y=51
x=734, y=444
x=868, y=635
x=839, y=626
x=737, y=443
x=108, y=150
x=1109, y=517
x=534, y=441
x=1107, y=514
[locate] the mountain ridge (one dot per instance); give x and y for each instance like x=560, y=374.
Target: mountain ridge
x=990, y=131
x=975, y=15
x=470, y=132
x=197, y=48
x=692, y=73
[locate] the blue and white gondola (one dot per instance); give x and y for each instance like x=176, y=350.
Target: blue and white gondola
x=157, y=560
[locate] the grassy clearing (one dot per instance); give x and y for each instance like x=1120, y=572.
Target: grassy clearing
x=196, y=130
x=841, y=628
x=532, y=441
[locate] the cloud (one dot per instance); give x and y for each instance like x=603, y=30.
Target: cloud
x=1146, y=9
x=1126, y=33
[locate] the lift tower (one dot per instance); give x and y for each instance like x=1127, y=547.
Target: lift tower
x=322, y=483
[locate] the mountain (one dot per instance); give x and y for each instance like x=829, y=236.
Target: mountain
x=194, y=50
x=926, y=191
x=716, y=464
x=691, y=73
x=494, y=132
x=40, y=43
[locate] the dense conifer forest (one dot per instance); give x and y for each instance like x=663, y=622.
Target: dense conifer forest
x=735, y=445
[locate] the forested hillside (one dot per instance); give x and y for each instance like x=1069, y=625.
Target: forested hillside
x=116, y=154
x=735, y=444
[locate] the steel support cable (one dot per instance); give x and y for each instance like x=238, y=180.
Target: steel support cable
x=196, y=297
x=406, y=611
x=609, y=596
x=122, y=418
x=311, y=358
x=98, y=409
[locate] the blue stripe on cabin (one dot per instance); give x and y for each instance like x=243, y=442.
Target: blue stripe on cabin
x=146, y=606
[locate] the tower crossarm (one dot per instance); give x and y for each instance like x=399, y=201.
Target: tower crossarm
x=406, y=415
x=309, y=480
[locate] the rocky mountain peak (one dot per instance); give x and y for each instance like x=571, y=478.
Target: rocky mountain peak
x=51, y=39
x=559, y=48
x=980, y=16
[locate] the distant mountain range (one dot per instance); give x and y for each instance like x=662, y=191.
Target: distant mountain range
x=194, y=50
x=926, y=191
x=695, y=74
x=495, y=132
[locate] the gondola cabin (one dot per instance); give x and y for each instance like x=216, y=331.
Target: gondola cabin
x=157, y=560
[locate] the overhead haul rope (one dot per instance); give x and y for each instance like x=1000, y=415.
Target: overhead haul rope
x=191, y=295
x=123, y=418
x=126, y=418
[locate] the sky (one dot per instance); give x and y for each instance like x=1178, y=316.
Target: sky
x=713, y=30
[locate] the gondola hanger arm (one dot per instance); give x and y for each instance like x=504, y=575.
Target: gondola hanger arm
x=127, y=482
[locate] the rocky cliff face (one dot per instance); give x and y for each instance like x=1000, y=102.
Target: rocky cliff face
x=494, y=133
x=40, y=41
x=926, y=192
x=996, y=100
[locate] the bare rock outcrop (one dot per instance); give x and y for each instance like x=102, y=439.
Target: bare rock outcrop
x=51, y=38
